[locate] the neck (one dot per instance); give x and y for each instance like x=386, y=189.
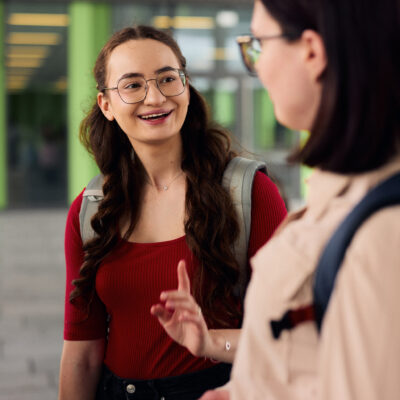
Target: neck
x=161, y=162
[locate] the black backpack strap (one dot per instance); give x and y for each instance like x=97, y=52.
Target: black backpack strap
x=383, y=195
x=238, y=180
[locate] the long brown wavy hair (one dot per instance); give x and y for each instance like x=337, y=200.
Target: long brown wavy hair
x=211, y=223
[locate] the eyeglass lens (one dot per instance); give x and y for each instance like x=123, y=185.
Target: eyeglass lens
x=250, y=51
x=133, y=89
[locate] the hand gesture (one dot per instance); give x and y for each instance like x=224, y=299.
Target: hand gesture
x=181, y=317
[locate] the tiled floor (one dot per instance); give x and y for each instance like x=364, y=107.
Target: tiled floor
x=31, y=303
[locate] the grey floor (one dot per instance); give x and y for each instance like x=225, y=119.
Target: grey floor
x=32, y=277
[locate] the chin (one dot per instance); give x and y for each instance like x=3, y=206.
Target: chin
x=294, y=123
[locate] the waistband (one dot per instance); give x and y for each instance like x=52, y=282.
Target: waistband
x=184, y=387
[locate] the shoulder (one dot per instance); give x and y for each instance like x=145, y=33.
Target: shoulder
x=75, y=206
x=378, y=237
x=73, y=215
x=370, y=272
x=265, y=192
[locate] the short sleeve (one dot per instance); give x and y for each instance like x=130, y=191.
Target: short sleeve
x=80, y=322
x=267, y=212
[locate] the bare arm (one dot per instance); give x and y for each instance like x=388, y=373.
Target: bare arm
x=80, y=368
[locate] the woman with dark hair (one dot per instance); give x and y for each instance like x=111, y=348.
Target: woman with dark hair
x=331, y=67
x=162, y=161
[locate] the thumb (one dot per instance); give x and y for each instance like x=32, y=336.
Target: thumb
x=183, y=278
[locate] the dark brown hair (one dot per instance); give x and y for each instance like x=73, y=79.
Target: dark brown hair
x=211, y=225
x=357, y=127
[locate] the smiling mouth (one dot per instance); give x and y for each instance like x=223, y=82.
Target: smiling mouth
x=154, y=116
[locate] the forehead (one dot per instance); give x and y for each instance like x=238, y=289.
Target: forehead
x=142, y=56
x=262, y=21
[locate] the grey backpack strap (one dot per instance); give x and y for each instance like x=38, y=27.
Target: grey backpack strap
x=92, y=196
x=238, y=180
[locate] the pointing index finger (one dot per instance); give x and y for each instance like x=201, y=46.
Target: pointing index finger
x=183, y=278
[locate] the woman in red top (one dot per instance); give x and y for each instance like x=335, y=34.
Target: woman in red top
x=164, y=204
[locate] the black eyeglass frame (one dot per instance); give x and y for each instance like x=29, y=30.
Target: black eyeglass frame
x=182, y=74
x=243, y=40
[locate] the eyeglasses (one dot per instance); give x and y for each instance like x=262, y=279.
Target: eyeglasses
x=250, y=48
x=133, y=89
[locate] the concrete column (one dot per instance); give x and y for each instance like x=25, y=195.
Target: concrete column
x=89, y=29
x=3, y=116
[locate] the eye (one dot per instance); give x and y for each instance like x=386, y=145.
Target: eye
x=131, y=84
x=167, y=79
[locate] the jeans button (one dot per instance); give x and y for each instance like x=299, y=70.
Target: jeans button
x=130, y=388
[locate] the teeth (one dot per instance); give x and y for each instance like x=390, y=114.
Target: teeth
x=152, y=116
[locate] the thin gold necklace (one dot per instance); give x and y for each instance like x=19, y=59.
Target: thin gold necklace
x=166, y=187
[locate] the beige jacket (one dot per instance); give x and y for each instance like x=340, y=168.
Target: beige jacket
x=357, y=356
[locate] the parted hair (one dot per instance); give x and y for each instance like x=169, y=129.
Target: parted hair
x=211, y=225
x=357, y=127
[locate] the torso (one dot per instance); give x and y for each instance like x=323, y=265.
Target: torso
x=131, y=278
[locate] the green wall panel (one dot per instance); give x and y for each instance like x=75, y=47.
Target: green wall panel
x=89, y=29
x=305, y=171
x=224, y=108
x=264, y=123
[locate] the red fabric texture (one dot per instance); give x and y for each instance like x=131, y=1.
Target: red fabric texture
x=130, y=281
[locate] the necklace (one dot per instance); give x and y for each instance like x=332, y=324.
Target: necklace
x=166, y=187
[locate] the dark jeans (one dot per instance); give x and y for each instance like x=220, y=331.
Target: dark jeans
x=183, y=387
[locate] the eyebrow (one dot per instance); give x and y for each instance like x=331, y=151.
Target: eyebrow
x=137, y=74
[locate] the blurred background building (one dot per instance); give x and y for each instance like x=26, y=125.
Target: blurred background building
x=46, y=85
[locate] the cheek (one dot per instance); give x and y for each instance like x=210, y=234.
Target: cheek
x=265, y=70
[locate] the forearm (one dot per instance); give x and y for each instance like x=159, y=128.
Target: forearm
x=78, y=381
x=80, y=369
x=222, y=344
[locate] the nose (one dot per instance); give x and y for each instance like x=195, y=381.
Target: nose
x=154, y=96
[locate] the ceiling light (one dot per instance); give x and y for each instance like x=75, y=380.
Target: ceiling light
x=24, y=63
x=227, y=19
x=38, y=19
x=27, y=49
x=28, y=54
x=165, y=22
x=34, y=38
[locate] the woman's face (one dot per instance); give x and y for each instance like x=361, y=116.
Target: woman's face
x=284, y=71
x=157, y=118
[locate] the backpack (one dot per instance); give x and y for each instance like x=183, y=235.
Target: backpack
x=237, y=179
x=385, y=194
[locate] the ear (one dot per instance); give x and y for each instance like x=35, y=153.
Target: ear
x=314, y=53
x=105, y=106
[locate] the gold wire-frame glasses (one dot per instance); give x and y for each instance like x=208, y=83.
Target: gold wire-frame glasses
x=133, y=88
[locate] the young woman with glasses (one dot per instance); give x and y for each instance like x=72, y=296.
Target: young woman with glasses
x=162, y=160
x=330, y=67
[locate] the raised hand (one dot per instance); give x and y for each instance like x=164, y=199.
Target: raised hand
x=181, y=316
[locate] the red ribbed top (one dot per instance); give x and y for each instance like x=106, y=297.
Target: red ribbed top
x=130, y=281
